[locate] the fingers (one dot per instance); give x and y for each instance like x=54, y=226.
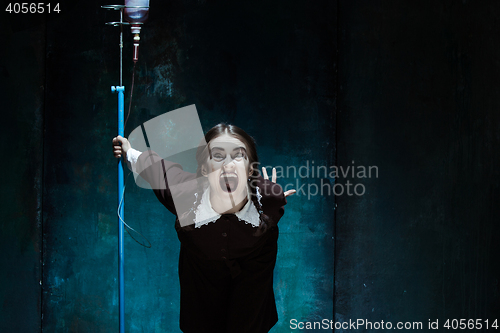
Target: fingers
x=117, y=146
x=117, y=152
x=264, y=173
x=118, y=140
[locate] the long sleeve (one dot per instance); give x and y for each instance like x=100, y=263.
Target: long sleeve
x=167, y=179
x=273, y=199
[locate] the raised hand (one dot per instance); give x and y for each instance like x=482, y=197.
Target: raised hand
x=273, y=179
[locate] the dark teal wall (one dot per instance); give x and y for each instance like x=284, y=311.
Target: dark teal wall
x=408, y=88
x=22, y=96
x=260, y=66
x=418, y=98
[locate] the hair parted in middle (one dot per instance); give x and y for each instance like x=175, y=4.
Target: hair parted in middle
x=203, y=155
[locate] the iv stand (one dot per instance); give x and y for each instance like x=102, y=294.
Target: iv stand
x=121, y=204
x=120, y=89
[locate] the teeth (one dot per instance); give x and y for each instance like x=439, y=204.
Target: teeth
x=229, y=175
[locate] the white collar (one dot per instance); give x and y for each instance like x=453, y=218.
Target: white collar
x=205, y=214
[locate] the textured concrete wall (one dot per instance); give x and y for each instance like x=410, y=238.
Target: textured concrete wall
x=418, y=98
x=22, y=64
x=260, y=66
x=414, y=95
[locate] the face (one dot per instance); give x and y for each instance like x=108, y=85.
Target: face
x=228, y=168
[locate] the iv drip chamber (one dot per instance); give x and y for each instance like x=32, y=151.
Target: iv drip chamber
x=136, y=16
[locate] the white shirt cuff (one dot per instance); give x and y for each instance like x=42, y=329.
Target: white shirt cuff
x=132, y=157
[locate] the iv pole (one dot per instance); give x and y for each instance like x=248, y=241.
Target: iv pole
x=120, y=89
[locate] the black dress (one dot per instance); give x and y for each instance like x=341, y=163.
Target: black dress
x=226, y=267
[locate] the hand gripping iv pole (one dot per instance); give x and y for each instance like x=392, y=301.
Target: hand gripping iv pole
x=136, y=15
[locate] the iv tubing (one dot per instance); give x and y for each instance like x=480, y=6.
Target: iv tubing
x=121, y=256
x=121, y=46
x=121, y=129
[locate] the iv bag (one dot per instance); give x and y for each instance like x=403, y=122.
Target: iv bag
x=136, y=15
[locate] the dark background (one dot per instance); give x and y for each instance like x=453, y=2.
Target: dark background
x=409, y=87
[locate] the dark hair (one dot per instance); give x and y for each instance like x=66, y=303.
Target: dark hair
x=203, y=154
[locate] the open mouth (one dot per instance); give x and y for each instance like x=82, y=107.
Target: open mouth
x=228, y=181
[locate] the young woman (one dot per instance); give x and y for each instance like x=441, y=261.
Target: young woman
x=228, y=235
